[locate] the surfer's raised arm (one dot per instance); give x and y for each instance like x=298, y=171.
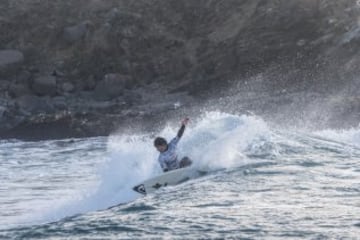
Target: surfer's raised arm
x=184, y=122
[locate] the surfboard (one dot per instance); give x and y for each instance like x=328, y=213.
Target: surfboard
x=170, y=178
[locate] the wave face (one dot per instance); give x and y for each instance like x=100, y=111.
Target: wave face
x=262, y=182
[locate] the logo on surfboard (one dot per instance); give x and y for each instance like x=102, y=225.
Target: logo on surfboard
x=158, y=185
x=140, y=189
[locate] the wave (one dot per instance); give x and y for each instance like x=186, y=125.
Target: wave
x=214, y=141
x=350, y=136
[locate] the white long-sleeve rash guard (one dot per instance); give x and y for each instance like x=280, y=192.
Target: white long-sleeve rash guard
x=168, y=160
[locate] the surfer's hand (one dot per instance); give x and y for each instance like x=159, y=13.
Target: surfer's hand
x=185, y=121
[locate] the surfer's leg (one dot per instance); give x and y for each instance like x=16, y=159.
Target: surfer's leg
x=185, y=162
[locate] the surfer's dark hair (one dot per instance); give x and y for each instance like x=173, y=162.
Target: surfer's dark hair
x=159, y=141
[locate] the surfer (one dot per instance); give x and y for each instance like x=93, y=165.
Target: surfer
x=168, y=158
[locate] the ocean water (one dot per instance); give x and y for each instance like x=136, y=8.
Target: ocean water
x=262, y=183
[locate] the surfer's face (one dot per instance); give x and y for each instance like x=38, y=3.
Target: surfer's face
x=161, y=148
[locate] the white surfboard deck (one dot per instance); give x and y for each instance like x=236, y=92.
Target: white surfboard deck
x=170, y=178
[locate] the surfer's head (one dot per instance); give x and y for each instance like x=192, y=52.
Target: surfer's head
x=160, y=144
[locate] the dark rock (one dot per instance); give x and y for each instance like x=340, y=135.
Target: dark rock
x=9, y=115
x=88, y=84
x=132, y=97
x=4, y=85
x=45, y=86
x=23, y=77
x=87, y=96
x=10, y=57
x=57, y=73
x=112, y=86
x=4, y=102
x=68, y=87
x=106, y=106
x=77, y=32
x=2, y=113
x=112, y=14
x=18, y=90
x=8, y=119
x=59, y=102
x=34, y=104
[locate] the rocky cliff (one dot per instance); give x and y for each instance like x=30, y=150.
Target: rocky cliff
x=90, y=67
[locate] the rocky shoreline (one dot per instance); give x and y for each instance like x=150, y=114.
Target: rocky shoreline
x=94, y=67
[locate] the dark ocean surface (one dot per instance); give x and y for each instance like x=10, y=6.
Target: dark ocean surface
x=262, y=183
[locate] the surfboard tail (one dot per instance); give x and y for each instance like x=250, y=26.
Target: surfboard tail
x=140, y=189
